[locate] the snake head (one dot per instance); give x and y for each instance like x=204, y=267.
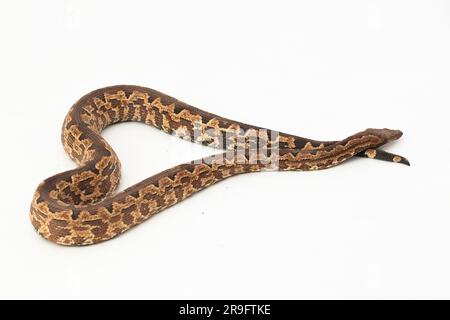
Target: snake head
x=387, y=135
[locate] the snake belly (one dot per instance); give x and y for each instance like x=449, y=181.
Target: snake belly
x=79, y=207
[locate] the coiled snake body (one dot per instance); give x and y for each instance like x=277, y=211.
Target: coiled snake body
x=78, y=207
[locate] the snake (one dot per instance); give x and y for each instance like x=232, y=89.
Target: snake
x=82, y=207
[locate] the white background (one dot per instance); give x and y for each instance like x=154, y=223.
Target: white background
x=320, y=69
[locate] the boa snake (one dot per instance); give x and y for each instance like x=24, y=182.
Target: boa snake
x=78, y=207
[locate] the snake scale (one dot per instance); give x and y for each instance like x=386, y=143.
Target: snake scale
x=79, y=207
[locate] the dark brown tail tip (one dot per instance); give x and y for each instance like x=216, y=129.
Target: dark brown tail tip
x=404, y=161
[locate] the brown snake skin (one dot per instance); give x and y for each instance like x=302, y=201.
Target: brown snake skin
x=78, y=207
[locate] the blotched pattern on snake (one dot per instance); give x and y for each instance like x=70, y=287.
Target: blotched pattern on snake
x=79, y=207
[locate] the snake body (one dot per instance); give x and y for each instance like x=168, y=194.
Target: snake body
x=79, y=207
